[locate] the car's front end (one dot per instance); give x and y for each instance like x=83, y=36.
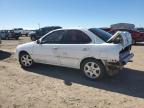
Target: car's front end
x=27, y=47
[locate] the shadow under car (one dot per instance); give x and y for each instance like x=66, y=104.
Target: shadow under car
x=4, y=55
x=128, y=81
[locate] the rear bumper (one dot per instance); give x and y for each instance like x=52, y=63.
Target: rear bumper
x=114, y=68
x=126, y=59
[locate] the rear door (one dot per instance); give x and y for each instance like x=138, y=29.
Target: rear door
x=74, y=47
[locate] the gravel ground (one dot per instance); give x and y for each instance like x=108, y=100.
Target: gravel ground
x=46, y=86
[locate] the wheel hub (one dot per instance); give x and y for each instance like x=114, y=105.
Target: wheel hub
x=92, y=70
x=26, y=60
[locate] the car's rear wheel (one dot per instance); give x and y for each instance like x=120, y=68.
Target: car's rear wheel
x=16, y=38
x=93, y=69
x=25, y=60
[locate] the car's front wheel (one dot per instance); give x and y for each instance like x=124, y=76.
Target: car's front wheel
x=93, y=69
x=25, y=60
x=6, y=38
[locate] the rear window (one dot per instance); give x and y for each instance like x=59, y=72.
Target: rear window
x=105, y=36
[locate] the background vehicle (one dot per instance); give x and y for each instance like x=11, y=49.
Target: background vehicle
x=9, y=34
x=25, y=32
x=18, y=31
x=140, y=30
x=0, y=39
x=4, y=34
x=41, y=32
x=136, y=35
x=94, y=51
x=123, y=26
x=13, y=35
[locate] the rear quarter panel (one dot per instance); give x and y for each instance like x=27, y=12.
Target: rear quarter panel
x=105, y=51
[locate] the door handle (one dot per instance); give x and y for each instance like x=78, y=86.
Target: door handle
x=85, y=49
x=55, y=48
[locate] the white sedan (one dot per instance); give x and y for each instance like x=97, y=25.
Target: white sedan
x=94, y=51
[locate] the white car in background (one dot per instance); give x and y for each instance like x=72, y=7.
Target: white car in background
x=94, y=51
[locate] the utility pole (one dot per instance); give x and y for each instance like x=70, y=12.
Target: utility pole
x=39, y=25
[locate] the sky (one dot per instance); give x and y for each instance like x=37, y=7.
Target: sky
x=30, y=14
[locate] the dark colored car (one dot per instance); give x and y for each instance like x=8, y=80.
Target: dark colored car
x=9, y=34
x=0, y=39
x=13, y=34
x=41, y=32
x=140, y=29
x=136, y=35
x=25, y=32
x=4, y=34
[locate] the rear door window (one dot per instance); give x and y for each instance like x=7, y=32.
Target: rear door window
x=75, y=37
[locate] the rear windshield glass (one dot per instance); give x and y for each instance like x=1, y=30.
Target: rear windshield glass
x=105, y=36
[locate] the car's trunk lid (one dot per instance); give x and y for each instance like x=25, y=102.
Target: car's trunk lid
x=123, y=38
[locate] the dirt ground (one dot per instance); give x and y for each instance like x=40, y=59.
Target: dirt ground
x=47, y=86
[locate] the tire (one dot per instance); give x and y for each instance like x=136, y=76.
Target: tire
x=26, y=35
x=25, y=60
x=6, y=38
x=93, y=69
x=16, y=38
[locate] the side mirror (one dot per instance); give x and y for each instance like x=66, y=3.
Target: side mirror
x=38, y=41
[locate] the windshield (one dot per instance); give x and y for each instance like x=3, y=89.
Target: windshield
x=105, y=36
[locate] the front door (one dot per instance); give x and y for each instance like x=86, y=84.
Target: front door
x=47, y=51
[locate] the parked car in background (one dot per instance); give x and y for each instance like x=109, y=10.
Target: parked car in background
x=4, y=34
x=25, y=32
x=9, y=34
x=13, y=34
x=94, y=51
x=140, y=29
x=18, y=31
x=123, y=26
x=136, y=35
x=42, y=31
x=0, y=39
x=31, y=33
